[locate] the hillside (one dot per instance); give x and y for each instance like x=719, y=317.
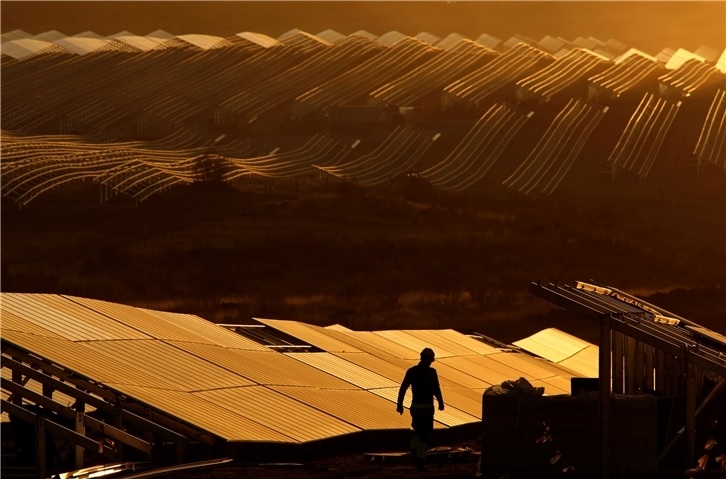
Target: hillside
x=368, y=259
x=399, y=249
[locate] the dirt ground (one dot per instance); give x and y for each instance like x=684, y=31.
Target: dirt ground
x=447, y=462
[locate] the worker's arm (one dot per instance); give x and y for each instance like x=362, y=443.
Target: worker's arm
x=402, y=392
x=437, y=391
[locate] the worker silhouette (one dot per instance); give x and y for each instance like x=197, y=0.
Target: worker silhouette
x=424, y=382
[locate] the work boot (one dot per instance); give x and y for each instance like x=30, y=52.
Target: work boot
x=414, y=459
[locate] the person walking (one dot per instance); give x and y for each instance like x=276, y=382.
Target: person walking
x=424, y=383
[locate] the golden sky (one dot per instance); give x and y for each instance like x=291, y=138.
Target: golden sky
x=648, y=25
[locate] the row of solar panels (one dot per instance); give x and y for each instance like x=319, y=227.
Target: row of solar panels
x=87, y=42
x=241, y=84
x=233, y=388
x=313, y=75
x=33, y=166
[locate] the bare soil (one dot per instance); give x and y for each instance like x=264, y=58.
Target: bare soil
x=371, y=259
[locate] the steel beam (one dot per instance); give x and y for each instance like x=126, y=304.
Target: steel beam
x=70, y=413
x=99, y=403
x=52, y=427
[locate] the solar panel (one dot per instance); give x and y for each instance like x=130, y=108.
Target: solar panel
x=485, y=368
x=362, y=409
x=391, y=368
x=13, y=322
x=208, y=330
x=287, y=416
x=531, y=367
x=457, y=376
x=584, y=363
x=412, y=342
x=67, y=318
x=210, y=416
x=86, y=361
x=350, y=372
x=372, y=344
x=451, y=416
x=552, y=344
x=313, y=335
x=384, y=346
x=450, y=340
x=140, y=320
x=222, y=384
x=173, y=367
x=266, y=368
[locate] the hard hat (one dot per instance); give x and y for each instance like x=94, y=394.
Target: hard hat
x=428, y=353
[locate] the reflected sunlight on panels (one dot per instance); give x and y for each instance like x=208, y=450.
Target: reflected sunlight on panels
x=391, y=368
x=483, y=367
x=377, y=345
x=278, y=412
x=13, y=322
x=450, y=340
x=464, y=399
x=413, y=342
x=585, y=362
x=206, y=415
x=210, y=331
x=222, y=382
x=183, y=371
x=265, y=368
x=568, y=351
x=84, y=361
x=345, y=370
x=531, y=367
x=451, y=416
x=552, y=344
x=457, y=376
x=138, y=319
x=309, y=334
x=369, y=342
x=67, y=318
x=370, y=411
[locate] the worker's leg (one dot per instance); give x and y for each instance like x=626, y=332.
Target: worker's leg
x=422, y=421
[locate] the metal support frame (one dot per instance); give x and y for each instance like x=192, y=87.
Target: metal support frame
x=605, y=398
x=118, y=408
x=714, y=392
x=43, y=425
x=690, y=388
x=90, y=393
x=672, y=346
x=47, y=403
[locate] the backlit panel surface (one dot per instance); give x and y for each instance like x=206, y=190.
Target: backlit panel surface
x=278, y=412
x=66, y=318
x=352, y=373
x=266, y=368
x=140, y=320
x=212, y=332
x=552, y=344
x=360, y=408
x=173, y=366
x=312, y=335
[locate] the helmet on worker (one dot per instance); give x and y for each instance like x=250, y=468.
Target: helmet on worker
x=427, y=354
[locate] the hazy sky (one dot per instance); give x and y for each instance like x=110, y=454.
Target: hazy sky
x=650, y=25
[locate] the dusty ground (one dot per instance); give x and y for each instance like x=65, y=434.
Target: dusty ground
x=462, y=465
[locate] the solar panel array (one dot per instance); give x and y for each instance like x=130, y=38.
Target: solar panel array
x=227, y=386
x=110, y=90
